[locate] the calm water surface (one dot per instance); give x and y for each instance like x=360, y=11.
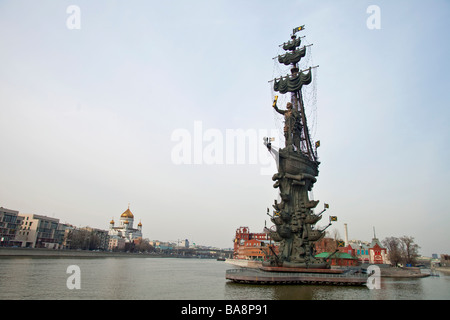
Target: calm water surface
x=181, y=279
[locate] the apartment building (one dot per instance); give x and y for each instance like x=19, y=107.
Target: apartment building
x=9, y=224
x=37, y=231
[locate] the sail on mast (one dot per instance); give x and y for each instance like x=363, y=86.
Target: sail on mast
x=293, y=83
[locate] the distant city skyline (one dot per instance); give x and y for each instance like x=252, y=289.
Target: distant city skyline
x=94, y=95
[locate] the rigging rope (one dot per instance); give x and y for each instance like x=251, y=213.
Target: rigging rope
x=309, y=93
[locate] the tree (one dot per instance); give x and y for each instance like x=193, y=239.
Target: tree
x=83, y=239
x=410, y=250
x=401, y=250
x=143, y=245
x=392, y=244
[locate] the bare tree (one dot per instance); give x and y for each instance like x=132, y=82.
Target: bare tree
x=392, y=244
x=143, y=245
x=83, y=239
x=410, y=250
x=334, y=233
x=401, y=250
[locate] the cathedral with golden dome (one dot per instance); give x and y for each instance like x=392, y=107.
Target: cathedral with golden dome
x=125, y=229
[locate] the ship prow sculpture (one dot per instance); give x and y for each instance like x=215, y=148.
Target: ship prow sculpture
x=294, y=219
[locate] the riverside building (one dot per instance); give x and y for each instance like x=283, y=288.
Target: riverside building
x=38, y=231
x=9, y=223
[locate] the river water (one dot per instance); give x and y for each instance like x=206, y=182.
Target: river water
x=179, y=279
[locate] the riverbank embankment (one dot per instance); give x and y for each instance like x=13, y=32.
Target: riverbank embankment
x=445, y=270
x=48, y=253
x=406, y=272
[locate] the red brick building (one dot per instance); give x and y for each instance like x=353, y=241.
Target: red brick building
x=326, y=245
x=372, y=253
x=251, y=246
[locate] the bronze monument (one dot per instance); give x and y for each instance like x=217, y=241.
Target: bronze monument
x=293, y=217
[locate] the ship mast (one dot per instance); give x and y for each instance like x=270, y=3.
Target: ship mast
x=293, y=56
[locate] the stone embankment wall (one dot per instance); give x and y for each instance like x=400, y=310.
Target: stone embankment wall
x=34, y=252
x=407, y=272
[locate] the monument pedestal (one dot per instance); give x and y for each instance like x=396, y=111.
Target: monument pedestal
x=281, y=275
x=301, y=270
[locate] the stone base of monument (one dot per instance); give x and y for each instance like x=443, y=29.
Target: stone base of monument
x=302, y=270
x=282, y=275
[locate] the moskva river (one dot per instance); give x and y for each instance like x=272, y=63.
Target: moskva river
x=179, y=279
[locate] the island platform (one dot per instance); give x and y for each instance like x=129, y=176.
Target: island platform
x=299, y=276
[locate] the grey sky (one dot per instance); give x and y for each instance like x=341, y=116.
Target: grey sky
x=86, y=116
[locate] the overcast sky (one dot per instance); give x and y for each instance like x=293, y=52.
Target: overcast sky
x=90, y=117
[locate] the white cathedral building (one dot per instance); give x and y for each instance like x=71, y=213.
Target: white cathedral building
x=125, y=231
